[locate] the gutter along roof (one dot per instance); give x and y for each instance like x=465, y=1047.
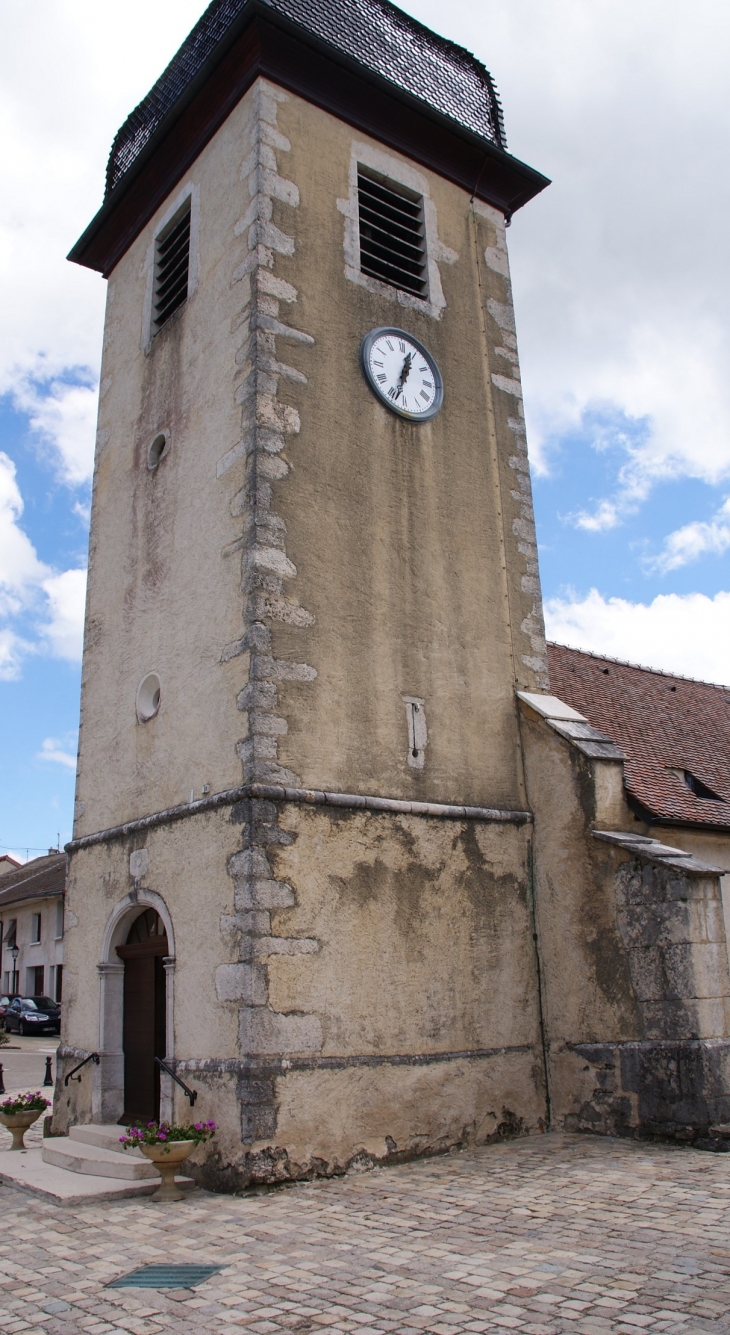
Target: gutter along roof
x=40, y=879
x=363, y=60
x=663, y=724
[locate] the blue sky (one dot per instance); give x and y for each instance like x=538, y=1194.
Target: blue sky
x=622, y=287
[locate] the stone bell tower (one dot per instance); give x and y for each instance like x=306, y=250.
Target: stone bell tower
x=313, y=590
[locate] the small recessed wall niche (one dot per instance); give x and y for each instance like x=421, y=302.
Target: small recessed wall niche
x=148, y=697
x=157, y=451
x=417, y=732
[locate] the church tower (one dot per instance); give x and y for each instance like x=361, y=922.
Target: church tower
x=300, y=873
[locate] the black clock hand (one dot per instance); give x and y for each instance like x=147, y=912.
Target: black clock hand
x=405, y=372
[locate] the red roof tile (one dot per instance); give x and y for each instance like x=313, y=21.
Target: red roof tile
x=662, y=723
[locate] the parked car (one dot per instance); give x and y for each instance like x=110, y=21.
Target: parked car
x=4, y=1003
x=33, y=1015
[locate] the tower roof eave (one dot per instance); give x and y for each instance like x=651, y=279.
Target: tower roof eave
x=167, y=132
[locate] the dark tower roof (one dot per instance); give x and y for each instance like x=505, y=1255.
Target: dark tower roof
x=372, y=32
x=363, y=60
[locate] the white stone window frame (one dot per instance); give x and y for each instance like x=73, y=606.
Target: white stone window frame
x=405, y=174
x=190, y=191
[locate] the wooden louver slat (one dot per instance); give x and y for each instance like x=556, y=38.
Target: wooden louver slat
x=392, y=240
x=172, y=268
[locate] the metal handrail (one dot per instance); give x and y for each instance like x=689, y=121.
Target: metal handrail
x=92, y=1057
x=191, y=1093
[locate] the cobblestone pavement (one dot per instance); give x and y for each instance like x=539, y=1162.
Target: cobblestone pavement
x=547, y=1235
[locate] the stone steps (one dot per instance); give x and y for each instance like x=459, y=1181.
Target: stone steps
x=105, y=1137
x=79, y=1156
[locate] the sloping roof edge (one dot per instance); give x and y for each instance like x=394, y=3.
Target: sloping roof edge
x=640, y=667
x=34, y=882
x=673, y=730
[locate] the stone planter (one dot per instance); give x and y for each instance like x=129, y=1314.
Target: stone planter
x=18, y=1123
x=167, y=1159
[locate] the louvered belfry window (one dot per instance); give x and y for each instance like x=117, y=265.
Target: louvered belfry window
x=172, y=266
x=392, y=236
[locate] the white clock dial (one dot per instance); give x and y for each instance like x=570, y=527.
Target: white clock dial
x=402, y=373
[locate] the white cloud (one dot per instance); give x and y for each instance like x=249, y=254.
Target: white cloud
x=693, y=541
x=70, y=72
x=41, y=610
x=12, y=652
x=64, y=632
x=687, y=633
x=52, y=749
x=20, y=568
x=621, y=267
x=606, y=515
x=64, y=417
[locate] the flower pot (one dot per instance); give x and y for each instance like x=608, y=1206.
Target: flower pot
x=167, y=1159
x=18, y=1123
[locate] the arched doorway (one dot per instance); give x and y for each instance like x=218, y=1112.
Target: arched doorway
x=144, y=1008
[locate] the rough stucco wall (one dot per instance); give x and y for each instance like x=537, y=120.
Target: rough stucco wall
x=388, y=1112
x=393, y=538
x=417, y=942
x=197, y=891
x=587, y=984
x=391, y=1007
x=395, y=529
x=299, y=562
x=422, y=929
x=711, y=846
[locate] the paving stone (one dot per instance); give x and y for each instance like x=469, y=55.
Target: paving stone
x=543, y=1236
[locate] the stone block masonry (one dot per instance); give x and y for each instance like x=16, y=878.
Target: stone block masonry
x=268, y=423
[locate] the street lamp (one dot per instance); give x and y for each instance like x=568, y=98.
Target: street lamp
x=14, y=951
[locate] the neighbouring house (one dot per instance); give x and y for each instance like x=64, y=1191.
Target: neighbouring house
x=31, y=923
x=8, y=864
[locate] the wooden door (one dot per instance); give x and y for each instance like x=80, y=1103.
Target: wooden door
x=144, y=1022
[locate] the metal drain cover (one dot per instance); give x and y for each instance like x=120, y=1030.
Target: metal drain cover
x=165, y=1277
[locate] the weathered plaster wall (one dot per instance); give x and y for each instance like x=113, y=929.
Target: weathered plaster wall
x=379, y=558
x=391, y=999
x=300, y=561
x=633, y=957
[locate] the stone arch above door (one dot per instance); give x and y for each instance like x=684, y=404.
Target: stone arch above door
x=108, y=1096
x=123, y=915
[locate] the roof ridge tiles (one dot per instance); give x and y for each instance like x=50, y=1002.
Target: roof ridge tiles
x=639, y=667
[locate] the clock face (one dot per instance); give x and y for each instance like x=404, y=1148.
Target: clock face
x=402, y=374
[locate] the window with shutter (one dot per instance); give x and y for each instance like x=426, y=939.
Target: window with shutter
x=172, y=267
x=392, y=233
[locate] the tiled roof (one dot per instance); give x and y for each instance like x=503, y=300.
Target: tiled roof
x=379, y=37
x=662, y=723
x=39, y=879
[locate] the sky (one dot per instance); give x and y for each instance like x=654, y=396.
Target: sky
x=621, y=275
